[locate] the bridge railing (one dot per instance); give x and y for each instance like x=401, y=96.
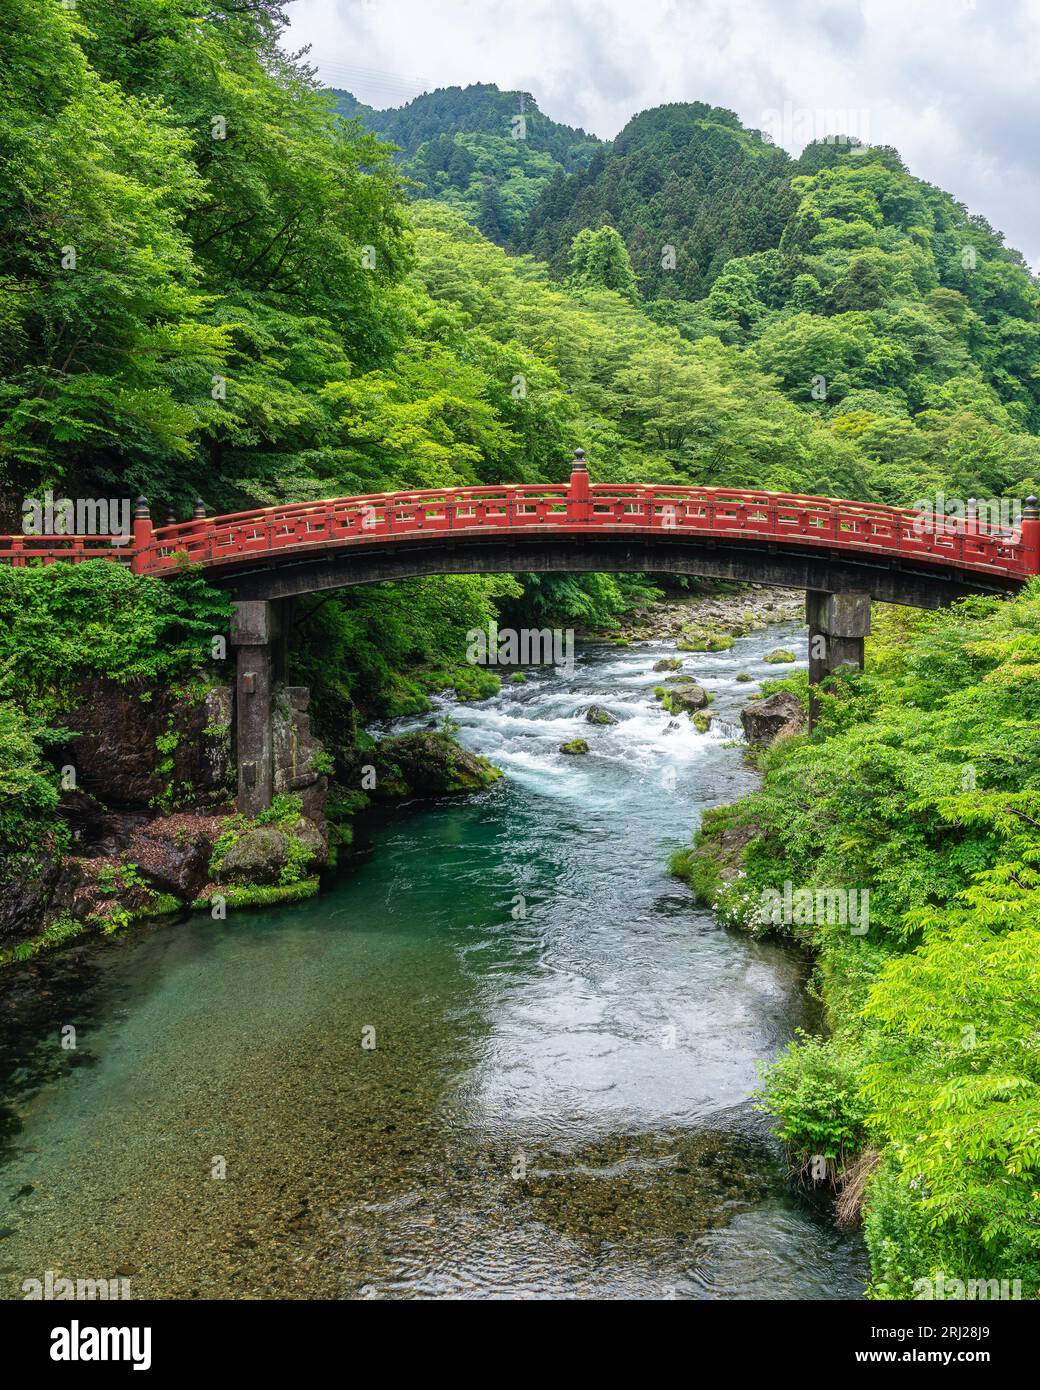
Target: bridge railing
x=578, y=508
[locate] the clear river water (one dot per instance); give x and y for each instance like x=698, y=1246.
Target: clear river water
x=504, y=1056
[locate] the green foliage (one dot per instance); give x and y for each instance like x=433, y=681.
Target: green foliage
x=56, y=934
x=28, y=786
x=922, y=786
x=814, y=1087
x=240, y=895
x=60, y=624
x=468, y=147
x=599, y=261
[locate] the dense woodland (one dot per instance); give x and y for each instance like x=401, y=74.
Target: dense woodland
x=218, y=279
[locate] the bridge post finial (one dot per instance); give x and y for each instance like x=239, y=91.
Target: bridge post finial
x=199, y=509
x=142, y=535
x=1031, y=533
x=579, y=490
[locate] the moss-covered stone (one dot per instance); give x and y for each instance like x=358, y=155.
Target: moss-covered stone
x=596, y=714
x=778, y=655
x=716, y=857
x=429, y=762
x=704, y=642
x=576, y=745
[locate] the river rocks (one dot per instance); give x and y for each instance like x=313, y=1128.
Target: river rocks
x=686, y=698
x=718, y=857
x=257, y=856
x=29, y=880
x=260, y=853
x=667, y=663
x=307, y=833
x=427, y=764
x=701, y=721
x=779, y=655
x=777, y=716
x=704, y=642
x=749, y=609
x=172, y=855
x=596, y=714
x=576, y=745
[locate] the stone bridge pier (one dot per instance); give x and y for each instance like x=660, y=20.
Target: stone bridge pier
x=838, y=625
x=273, y=745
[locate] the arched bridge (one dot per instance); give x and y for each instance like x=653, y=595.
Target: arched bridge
x=842, y=553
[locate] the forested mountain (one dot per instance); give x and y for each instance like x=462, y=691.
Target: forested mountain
x=685, y=176
x=485, y=152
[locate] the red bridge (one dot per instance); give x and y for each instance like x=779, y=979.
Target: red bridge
x=770, y=537
x=844, y=554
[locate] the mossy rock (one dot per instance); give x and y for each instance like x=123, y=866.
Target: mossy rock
x=576, y=745
x=596, y=714
x=667, y=663
x=684, y=699
x=718, y=854
x=704, y=642
x=743, y=676
x=778, y=655
x=429, y=763
x=258, y=855
x=701, y=721
x=518, y=678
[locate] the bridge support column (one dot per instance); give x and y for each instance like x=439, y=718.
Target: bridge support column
x=838, y=625
x=255, y=633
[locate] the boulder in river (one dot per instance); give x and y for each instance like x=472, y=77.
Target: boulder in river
x=257, y=856
x=774, y=717
x=682, y=699
x=576, y=745
x=778, y=655
x=704, y=642
x=426, y=763
x=171, y=859
x=667, y=663
x=596, y=714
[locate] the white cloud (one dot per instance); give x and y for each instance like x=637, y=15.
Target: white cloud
x=950, y=83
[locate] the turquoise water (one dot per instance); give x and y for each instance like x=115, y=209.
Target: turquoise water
x=504, y=1056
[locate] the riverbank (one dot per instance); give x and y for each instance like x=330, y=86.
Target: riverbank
x=901, y=845
x=730, y=609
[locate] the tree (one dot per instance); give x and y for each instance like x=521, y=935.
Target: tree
x=600, y=260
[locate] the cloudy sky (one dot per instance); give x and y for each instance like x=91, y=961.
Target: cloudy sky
x=952, y=84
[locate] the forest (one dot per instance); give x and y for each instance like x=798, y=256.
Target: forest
x=219, y=279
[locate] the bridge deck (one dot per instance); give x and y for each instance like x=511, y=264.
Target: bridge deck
x=269, y=535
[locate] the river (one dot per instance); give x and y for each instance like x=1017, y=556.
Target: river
x=503, y=1056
